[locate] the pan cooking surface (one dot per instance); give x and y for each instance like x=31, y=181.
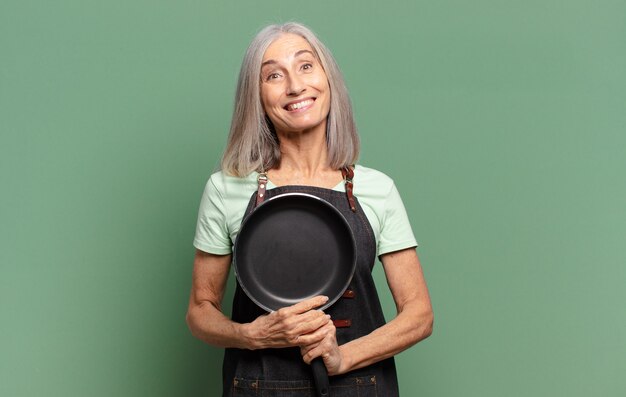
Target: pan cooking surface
x=293, y=247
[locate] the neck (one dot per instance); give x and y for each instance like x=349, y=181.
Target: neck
x=304, y=160
x=304, y=153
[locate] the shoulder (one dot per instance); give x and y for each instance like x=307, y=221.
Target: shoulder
x=224, y=203
x=373, y=189
x=230, y=187
x=368, y=180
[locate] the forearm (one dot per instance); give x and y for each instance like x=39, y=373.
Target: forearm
x=210, y=325
x=204, y=314
x=291, y=326
x=413, y=324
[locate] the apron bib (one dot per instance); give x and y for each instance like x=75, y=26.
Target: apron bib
x=281, y=372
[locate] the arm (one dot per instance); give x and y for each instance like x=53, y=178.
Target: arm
x=413, y=322
x=292, y=326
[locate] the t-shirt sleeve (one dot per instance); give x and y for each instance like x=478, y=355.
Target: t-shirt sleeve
x=212, y=234
x=395, y=233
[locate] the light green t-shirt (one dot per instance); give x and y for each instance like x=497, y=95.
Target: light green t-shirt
x=225, y=199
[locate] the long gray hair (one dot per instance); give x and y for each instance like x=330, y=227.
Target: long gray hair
x=252, y=142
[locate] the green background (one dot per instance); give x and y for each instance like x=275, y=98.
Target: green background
x=502, y=122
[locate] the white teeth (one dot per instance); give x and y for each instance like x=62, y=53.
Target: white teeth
x=298, y=105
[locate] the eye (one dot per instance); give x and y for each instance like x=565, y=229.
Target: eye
x=272, y=76
x=307, y=66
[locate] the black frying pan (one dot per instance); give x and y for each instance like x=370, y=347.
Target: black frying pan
x=292, y=247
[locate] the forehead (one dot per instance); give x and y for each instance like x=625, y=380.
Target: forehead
x=285, y=46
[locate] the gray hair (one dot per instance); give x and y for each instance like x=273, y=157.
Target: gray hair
x=252, y=142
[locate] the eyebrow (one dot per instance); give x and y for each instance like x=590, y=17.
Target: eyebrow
x=297, y=54
x=302, y=52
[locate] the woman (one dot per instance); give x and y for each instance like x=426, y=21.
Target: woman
x=293, y=130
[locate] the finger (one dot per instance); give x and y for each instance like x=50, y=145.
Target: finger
x=310, y=333
x=315, y=337
x=310, y=321
x=314, y=352
x=311, y=339
x=302, y=323
x=304, y=350
x=290, y=330
x=305, y=305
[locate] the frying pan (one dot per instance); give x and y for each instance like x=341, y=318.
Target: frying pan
x=292, y=247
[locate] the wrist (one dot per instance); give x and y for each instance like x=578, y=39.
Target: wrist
x=245, y=337
x=346, y=362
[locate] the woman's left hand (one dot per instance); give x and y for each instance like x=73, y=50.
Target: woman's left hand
x=327, y=348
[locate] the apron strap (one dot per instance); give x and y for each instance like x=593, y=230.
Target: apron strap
x=260, y=194
x=348, y=174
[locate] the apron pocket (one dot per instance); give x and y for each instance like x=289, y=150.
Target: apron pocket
x=364, y=386
x=272, y=388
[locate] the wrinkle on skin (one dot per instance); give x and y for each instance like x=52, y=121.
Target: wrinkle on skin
x=291, y=73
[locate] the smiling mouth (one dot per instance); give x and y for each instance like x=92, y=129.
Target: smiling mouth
x=299, y=105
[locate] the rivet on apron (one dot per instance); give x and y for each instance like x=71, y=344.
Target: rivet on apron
x=262, y=181
x=348, y=174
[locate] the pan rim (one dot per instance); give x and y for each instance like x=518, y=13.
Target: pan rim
x=323, y=203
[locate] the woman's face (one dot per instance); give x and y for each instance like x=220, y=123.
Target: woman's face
x=294, y=88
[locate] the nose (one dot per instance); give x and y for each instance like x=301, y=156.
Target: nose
x=295, y=86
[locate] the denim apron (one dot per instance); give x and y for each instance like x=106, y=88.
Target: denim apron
x=282, y=372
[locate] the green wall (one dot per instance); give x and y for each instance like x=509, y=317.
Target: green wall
x=502, y=122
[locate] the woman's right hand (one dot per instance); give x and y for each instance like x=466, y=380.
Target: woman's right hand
x=297, y=325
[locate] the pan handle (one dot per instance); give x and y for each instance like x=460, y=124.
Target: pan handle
x=320, y=375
